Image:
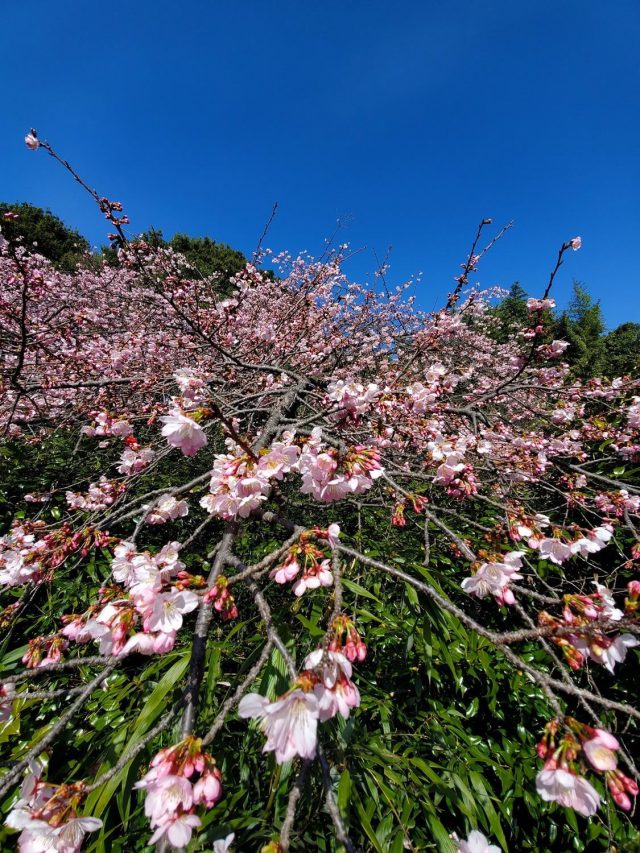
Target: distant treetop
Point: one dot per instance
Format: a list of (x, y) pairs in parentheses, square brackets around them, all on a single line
[(44, 233)]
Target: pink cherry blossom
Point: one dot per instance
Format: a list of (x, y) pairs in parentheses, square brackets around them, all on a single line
[(333, 534), (494, 578), (191, 385), (329, 665), (555, 550), (133, 461), (31, 140), (290, 724), (178, 829), (557, 347), (475, 843), (223, 845), (144, 644), (165, 795), (352, 397), (318, 575), (7, 693), (183, 432), (569, 790), (608, 607), (601, 756), (168, 609), (207, 790), (70, 835), (46, 817), (167, 509), (614, 651), (286, 572), (339, 699)]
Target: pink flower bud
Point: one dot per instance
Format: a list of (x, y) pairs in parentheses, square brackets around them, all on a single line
[(622, 800), (350, 651), (31, 140), (630, 784), (207, 790)]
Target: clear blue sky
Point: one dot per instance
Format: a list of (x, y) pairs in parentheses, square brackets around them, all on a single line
[(410, 121)]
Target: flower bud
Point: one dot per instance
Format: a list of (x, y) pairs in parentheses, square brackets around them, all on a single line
[(31, 140)]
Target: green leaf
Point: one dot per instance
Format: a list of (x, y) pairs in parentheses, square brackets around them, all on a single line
[(99, 799), (359, 590), (344, 792)]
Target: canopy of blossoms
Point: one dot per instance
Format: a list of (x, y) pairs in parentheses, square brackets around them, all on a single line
[(305, 390)]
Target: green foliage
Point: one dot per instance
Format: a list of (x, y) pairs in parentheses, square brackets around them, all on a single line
[(590, 352), (208, 258), (622, 351), (43, 232), (512, 313), (444, 739), (582, 326)]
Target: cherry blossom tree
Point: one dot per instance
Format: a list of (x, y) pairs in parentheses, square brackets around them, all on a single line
[(244, 449)]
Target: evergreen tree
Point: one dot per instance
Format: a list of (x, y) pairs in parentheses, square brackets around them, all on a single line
[(512, 313), (43, 232), (582, 326), (207, 257), (622, 351)]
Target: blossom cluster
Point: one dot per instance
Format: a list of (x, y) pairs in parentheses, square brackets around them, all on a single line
[(306, 557), (454, 472), (439, 379), (321, 691), (20, 551), (29, 555), (192, 385), (157, 594), (633, 413), (181, 778), (47, 816), (578, 632), (134, 458), (418, 504), (581, 749), (558, 549), (223, 601), (329, 475), (167, 508), (616, 504), (241, 482), (352, 398), (105, 423), (99, 495), (493, 578)]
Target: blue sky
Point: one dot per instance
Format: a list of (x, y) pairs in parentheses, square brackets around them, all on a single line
[(408, 121)]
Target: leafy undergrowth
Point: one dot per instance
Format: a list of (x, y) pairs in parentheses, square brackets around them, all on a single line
[(443, 741)]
